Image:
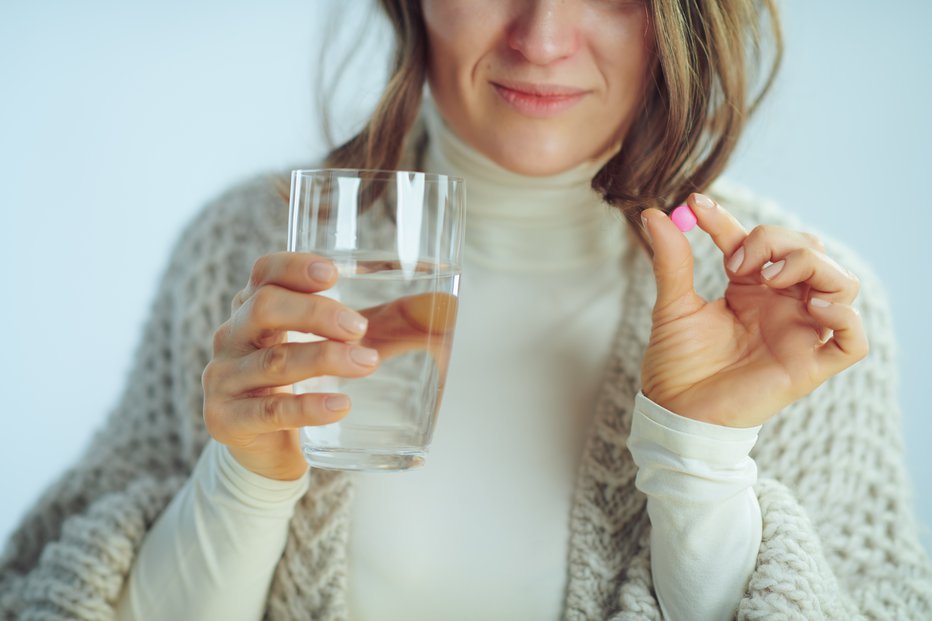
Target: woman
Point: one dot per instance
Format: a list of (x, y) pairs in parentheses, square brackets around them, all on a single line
[(624, 493)]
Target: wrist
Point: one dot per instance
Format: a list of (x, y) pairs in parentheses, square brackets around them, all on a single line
[(690, 438), (275, 468)]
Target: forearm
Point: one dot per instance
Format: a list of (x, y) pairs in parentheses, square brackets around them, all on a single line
[(705, 518), (212, 552)]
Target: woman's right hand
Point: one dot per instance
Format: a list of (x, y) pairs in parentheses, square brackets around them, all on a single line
[(249, 404)]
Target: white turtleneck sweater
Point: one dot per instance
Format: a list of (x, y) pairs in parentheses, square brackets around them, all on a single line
[(481, 531)]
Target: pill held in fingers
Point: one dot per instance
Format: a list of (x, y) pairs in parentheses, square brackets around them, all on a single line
[(684, 218)]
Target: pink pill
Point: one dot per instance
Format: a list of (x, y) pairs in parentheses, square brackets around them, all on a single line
[(684, 218)]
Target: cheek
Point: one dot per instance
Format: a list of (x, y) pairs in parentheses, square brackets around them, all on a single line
[(453, 28), (625, 60), (442, 19), (457, 30)]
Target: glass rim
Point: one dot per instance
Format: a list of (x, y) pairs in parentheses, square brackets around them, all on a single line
[(429, 177)]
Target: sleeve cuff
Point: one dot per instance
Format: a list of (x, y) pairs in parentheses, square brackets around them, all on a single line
[(713, 444), (251, 490)]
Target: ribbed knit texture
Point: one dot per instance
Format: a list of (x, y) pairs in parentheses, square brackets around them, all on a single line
[(839, 536)]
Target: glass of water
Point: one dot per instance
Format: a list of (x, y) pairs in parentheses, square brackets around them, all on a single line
[(396, 239)]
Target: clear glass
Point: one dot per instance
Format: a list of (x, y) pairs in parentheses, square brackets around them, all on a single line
[(396, 239)]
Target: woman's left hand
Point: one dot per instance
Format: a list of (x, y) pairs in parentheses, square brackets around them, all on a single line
[(739, 360)]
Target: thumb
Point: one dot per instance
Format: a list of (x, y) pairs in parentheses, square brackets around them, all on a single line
[(673, 265)]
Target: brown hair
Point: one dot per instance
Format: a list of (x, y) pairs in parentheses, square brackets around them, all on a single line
[(378, 145), (706, 83)]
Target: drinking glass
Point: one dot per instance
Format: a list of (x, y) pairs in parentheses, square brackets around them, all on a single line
[(395, 238)]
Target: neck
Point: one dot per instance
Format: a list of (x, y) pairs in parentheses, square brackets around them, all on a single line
[(520, 223)]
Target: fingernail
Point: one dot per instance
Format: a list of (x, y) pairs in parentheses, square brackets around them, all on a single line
[(364, 356), (337, 403), (735, 262), (773, 269), (704, 201), (819, 302), (646, 231), (321, 271), (353, 322)]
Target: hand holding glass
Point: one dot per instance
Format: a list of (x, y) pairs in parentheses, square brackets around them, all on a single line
[(395, 238)]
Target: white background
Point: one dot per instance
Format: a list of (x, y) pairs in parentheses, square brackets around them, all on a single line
[(119, 120)]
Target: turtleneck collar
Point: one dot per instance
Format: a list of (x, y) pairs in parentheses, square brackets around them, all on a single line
[(520, 223)]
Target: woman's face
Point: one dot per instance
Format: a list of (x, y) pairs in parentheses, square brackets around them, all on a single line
[(539, 86)]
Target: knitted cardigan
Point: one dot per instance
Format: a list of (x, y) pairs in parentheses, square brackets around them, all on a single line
[(839, 537)]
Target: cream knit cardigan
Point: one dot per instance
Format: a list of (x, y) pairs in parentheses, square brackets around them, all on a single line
[(839, 536)]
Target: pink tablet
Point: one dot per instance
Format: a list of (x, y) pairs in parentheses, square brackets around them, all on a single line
[(683, 217)]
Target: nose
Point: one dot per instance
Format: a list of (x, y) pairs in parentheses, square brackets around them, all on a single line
[(545, 31)]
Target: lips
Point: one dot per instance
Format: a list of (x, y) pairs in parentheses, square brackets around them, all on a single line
[(538, 100)]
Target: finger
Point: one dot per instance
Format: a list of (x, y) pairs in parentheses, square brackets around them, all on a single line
[(240, 420), (273, 309), (768, 243), (299, 271), (287, 363), (849, 342), (825, 277), (726, 231), (673, 267)]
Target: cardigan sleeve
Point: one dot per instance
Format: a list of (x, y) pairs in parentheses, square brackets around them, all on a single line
[(215, 547), (70, 553), (839, 535)]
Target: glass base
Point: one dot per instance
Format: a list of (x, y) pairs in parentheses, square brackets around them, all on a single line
[(363, 461)]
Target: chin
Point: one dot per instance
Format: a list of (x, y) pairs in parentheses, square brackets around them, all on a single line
[(534, 158), (536, 168)]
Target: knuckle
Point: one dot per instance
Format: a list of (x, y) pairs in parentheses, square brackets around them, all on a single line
[(320, 355), (260, 271), (855, 287), (265, 338), (808, 254), (860, 350), (238, 300), (308, 406), (328, 357), (274, 360), (220, 337), (214, 421), (762, 231), (271, 411), (855, 282), (815, 240), (317, 313), (334, 355), (861, 347), (319, 310), (262, 306), (209, 376)]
